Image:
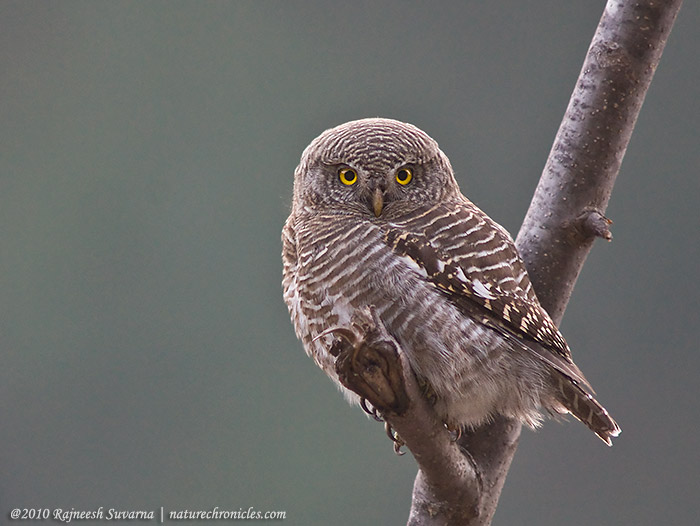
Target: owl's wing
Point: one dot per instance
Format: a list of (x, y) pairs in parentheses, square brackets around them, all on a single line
[(474, 262)]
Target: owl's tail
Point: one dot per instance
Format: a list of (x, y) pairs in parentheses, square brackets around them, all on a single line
[(587, 409)]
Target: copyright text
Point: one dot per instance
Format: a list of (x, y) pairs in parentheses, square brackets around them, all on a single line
[(159, 515)]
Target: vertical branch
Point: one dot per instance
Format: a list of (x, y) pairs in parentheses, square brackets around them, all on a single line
[(567, 210)]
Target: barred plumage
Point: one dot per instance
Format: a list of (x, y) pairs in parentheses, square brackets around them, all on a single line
[(445, 280)]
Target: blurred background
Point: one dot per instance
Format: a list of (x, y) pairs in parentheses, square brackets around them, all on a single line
[(146, 160)]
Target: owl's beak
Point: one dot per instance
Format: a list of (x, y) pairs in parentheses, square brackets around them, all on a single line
[(377, 201)]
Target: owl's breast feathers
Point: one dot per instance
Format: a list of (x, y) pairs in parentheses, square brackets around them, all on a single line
[(474, 263)]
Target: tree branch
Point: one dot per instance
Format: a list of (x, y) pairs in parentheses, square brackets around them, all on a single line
[(567, 210), (460, 483), (570, 200)]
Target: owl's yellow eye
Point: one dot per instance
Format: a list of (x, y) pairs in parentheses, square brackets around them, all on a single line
[(404, 176), (347, 176)]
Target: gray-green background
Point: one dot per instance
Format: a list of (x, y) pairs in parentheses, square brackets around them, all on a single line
[(146, 158)]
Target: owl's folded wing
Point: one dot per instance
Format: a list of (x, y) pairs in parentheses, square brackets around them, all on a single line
[(518, 318)]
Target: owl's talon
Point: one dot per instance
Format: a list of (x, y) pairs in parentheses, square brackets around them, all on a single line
[(455, 432), (370, 411), (344, 332), (395, 438)]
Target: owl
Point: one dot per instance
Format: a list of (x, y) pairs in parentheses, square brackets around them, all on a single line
[(378, 221)]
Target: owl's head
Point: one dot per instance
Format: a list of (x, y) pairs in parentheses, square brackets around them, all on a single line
[(373, 166)]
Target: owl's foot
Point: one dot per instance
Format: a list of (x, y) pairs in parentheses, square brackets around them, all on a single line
[(367, 362)]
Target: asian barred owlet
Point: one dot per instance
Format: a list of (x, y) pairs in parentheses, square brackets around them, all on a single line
[(378, 220)]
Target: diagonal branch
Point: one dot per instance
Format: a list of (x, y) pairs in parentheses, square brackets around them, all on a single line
[(460, 483), (567, 210), (565, 214)]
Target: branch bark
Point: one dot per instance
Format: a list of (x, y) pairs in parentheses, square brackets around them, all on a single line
[(461, 482)]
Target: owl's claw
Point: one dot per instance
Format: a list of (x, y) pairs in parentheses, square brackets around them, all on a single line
[(395, 438), (455, 432), (371, 411), (343, 332)]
